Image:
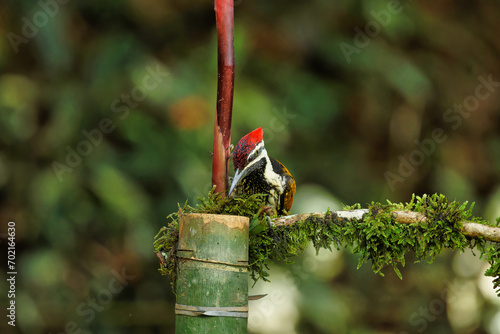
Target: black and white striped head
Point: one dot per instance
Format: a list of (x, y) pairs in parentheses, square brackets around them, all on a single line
[(249, 150)]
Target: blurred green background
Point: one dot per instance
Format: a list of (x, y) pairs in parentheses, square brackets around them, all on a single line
[(106, 124)]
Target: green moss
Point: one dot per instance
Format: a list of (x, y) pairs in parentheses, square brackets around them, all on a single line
[(377, 238), (165, 242)]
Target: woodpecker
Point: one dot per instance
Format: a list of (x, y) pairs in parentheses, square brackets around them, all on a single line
[(257, 173)]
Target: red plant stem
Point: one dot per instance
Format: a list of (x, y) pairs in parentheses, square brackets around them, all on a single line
[(224, 14)]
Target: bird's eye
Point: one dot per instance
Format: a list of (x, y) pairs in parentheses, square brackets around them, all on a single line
[(255, 154)]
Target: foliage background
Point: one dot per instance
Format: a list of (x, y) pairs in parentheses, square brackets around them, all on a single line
[(338, 124)]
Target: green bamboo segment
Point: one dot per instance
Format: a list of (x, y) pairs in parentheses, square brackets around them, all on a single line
[(212, 281)]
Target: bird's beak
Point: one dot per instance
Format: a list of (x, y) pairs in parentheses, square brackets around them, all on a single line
[(236, 179)]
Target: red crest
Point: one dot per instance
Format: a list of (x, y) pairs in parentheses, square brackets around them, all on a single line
[(245, 146)]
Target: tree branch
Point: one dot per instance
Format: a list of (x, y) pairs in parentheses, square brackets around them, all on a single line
[(470, 229), (475, 230), (224, 14)]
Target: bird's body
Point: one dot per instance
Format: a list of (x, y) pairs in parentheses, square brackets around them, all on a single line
[(257, 173)]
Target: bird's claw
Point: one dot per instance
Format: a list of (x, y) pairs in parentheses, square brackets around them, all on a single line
[(268, 210)]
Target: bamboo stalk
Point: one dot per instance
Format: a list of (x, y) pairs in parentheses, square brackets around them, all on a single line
[(212, 277)]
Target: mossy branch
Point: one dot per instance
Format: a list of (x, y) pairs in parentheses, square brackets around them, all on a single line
[(382, 234), (469, 229)]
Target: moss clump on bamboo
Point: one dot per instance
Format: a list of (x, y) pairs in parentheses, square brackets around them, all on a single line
[(165, 242), (378, 238)]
